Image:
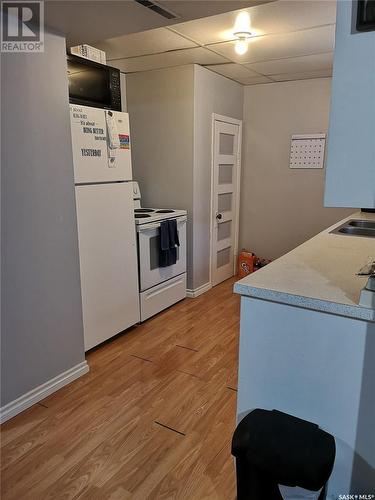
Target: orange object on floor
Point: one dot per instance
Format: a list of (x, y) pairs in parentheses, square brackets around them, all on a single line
[(245, 263)]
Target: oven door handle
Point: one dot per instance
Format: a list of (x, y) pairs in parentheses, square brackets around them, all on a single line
[(156, 225)]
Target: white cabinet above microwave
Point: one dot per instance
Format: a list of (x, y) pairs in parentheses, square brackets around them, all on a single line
[(350, 164)]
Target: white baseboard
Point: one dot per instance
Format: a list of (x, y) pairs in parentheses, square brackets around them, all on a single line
[(193, 293), (42, 391)]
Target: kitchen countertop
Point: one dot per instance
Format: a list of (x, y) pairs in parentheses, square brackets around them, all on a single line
[(320, 274)]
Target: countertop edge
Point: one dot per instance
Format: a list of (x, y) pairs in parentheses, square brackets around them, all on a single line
[(354, 312)]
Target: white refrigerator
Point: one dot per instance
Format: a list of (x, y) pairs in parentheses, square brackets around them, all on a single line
[(105, 216)]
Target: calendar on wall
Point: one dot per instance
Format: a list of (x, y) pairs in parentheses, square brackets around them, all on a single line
[(307, 151)]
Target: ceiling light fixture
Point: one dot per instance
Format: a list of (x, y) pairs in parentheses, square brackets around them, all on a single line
[(241, 47), (242, 31)]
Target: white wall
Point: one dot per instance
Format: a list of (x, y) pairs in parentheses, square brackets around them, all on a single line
[(170, 118), (350, 179), (42, 330), (170, 115), (213, 93), (160, 106), (282, 207)]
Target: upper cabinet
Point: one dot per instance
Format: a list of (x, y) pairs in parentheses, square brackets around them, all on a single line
[(350, 166)]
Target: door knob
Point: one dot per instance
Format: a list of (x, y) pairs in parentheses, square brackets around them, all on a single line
[(219, 216)]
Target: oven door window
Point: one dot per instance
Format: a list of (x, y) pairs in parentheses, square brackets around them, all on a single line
[(148, 245), (154, 252)]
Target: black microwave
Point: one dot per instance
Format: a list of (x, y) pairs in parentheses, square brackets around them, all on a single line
[(93, 84)]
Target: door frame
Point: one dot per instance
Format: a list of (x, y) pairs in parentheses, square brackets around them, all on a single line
[(233, 121)]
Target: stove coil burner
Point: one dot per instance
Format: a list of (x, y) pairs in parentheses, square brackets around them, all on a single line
[(141, 216), (143, 210), (164, 211)]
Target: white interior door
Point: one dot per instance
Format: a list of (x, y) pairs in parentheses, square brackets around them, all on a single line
[(225, 198)]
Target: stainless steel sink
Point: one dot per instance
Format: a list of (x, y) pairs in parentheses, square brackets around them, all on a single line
[(356, 227), (367, 224)]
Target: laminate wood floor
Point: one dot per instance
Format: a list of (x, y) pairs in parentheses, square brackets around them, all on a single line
[(153, 419)]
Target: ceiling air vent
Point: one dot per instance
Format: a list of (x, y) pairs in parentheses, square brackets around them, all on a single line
[(158, 9)]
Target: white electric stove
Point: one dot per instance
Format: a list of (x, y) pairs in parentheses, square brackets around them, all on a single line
[(147, 215), (160, 287)]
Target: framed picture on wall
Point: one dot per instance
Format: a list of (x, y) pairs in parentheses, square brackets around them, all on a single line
[(365, 15)]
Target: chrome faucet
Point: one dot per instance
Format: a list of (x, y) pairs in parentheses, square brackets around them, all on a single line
[(367, 297)]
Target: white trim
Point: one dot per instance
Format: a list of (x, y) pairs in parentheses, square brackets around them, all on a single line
[(238, 194), (42, 391), (193, 293), (226, 119), (233, 121), (213, 118)]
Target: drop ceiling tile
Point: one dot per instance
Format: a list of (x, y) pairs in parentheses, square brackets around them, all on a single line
[(210, 29), (302, 76), (264, 48), (232, 70), (189, 9), (301, 64), (273, 17), (147, 42), (254, 80), (198, 55)]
